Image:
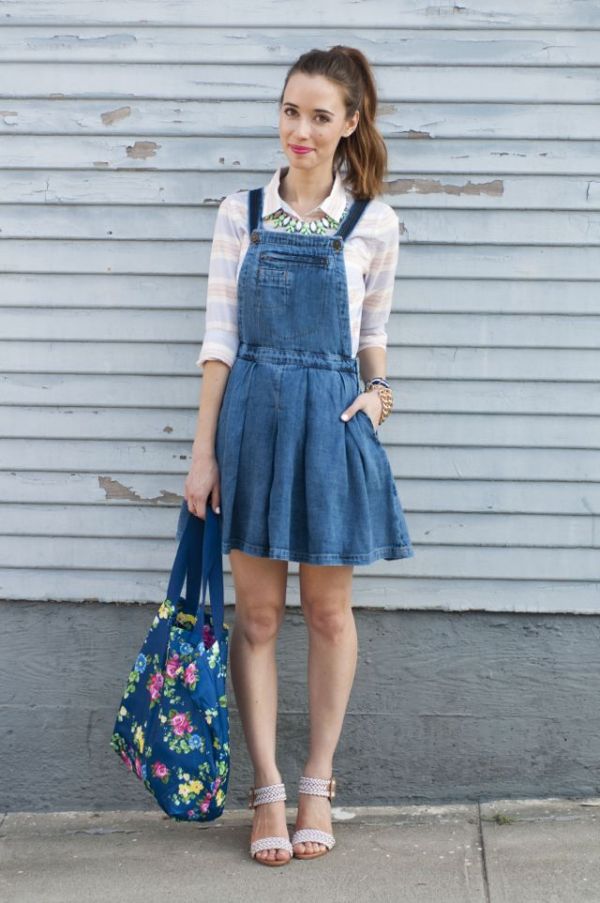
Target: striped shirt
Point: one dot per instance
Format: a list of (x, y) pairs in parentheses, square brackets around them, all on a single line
[(370, 257)]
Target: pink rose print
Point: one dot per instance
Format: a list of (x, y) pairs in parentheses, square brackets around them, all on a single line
[(154, 685), (138, 767), (181, 724), (159, 770), (191, 673), (173, 665), (125, 758)]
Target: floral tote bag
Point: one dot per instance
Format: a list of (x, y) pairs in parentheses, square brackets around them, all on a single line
[(172, 727)]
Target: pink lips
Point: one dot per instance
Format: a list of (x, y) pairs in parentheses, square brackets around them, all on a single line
[(300, 150)]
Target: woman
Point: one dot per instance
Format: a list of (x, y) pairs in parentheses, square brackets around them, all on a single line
[(300, 280)]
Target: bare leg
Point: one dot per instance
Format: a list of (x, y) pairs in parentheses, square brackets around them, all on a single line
[(333, 647), (260, 588)]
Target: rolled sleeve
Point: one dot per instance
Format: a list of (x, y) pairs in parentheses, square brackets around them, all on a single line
[(379, 283), (221, 339)]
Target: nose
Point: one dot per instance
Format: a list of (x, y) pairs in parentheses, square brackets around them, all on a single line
[(302, 131)]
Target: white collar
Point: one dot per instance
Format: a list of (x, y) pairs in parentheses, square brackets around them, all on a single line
[(334, 204)]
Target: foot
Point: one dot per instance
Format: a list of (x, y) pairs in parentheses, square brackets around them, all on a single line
[(269, 821), (313, 812)]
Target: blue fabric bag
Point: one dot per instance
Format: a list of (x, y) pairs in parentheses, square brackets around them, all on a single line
[(172, 727)]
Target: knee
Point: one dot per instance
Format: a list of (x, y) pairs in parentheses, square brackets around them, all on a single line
[(259, 623), (329, 619)]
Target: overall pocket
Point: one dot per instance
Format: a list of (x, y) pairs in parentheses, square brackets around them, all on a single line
[(292, 294)]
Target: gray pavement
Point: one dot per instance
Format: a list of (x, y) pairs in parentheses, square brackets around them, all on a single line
[(503, 851)]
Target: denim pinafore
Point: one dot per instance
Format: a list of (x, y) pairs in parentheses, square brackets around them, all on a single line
[(297, 482)]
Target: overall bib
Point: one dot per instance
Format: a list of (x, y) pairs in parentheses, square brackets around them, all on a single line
[(297, 482)]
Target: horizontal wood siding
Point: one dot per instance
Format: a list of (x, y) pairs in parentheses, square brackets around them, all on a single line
[(122, 127)]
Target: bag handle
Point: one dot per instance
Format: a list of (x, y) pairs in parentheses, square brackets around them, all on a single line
[(199, 562), (212, 573)]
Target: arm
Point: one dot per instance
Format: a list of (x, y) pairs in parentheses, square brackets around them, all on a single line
[(377, 305), (216, 358)]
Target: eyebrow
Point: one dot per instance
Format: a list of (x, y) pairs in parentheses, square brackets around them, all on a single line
[(288, 103)]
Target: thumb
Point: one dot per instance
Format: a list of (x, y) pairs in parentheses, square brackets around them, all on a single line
[(349, 412)]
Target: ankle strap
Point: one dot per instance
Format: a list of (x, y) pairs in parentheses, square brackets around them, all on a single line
[(317, 786), (270, 793)]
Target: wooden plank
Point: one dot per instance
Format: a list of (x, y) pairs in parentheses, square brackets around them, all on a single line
[(385, 46), (270, 13), (440, 395), (145, 492), (433, 561), (170, 223), (427, 528), (424, 294), (406, 363), (409, 155), (396, 590), (98, 424), (419, 329), (197, 189), (191, 257), (154, 117), (259, 83), (441, 461)]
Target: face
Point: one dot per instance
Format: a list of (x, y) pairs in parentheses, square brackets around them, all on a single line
[(312, 116)]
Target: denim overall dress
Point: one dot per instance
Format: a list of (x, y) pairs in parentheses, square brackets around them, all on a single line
[(297, 482)]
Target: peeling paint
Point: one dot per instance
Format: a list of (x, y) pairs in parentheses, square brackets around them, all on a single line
[(142, 149), (113, 489), (495, 188), (5, 113), (412, 133), (70, 40), (117, 115)]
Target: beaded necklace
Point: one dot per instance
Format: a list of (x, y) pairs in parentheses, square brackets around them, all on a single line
[(290, 223)]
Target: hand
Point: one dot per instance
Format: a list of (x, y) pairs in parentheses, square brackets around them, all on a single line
[(371, 404), (202, 481)]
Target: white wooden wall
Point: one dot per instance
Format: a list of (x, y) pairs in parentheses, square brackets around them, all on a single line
[(124, 124)]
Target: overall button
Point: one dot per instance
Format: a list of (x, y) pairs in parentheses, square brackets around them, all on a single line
[(337, 243), (254, 236)]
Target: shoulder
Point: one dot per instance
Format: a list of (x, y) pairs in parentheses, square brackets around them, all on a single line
[(235, 202), (232, 214), (379, 229), (381, 219)]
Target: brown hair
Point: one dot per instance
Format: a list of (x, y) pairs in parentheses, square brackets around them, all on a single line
[(363, 152)]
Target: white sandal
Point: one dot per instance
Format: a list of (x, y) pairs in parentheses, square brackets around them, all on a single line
[(270, 793), (316, 787)]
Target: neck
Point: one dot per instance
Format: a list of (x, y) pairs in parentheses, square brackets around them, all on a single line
[(305, 190)]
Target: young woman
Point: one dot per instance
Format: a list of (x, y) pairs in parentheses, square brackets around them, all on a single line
[(300, 288)]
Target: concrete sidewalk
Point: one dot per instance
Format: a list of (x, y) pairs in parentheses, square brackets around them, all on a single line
[(514, 851)]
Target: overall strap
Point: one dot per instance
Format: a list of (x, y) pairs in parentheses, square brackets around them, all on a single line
[(254, 207), (354, 214)]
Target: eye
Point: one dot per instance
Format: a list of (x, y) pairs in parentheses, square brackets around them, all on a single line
[(320, 115)]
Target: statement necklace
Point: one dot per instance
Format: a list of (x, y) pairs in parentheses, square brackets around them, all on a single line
[(290, 223)]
